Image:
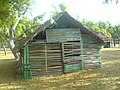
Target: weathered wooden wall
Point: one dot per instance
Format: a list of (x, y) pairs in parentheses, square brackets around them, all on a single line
[(53, 58), (91, 52), (49, 58), (45, 58), (72, 56)]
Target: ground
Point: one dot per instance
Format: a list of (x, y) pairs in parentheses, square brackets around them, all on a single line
[(105, 78)]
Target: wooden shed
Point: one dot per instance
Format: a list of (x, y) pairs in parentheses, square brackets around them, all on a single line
[(108, 41), (116, 42), (61, 46)]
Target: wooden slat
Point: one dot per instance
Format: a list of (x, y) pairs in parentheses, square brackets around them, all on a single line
[(38, 56)]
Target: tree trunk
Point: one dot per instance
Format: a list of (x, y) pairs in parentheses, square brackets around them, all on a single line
[(11, 43), (13, 49), (4, 48)]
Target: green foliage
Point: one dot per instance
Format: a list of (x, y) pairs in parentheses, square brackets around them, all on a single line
[(116, 31), (10, 11), (25, 23), (105, 27)]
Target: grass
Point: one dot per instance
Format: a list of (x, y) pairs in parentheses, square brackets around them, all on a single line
[(105, 78)]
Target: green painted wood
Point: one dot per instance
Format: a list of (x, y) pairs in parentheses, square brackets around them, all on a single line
[(24, 62), (26, 65), (77, 66), (25, 55), (62, 35), (69, 67), (27, 59), (43, 43)]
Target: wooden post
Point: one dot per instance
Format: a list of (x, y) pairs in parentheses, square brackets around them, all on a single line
[(82, 54), (27, 54), (26, 66), (99, 57), (46, 66), (62, 47), (24, 62), (81, 47), (29, 73)]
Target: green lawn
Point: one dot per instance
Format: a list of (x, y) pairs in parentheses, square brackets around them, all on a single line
[(105, 78)]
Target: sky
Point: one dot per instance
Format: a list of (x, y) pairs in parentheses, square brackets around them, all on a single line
[(92, 10)]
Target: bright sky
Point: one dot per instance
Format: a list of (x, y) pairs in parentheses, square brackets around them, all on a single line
[(93, 10)]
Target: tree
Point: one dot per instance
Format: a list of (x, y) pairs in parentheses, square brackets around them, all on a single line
[(20, 7), (5, 12), (116, 32), (26, 27), (97, 27), (3, 39), (105, 27), (12, 12)]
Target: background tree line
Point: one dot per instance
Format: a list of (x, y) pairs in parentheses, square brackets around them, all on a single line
[(105, 27)]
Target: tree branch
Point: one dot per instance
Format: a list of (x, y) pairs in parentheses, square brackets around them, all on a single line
[(26, 31)]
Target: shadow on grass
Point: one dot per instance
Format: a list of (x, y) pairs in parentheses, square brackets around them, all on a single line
[(105, 78), (9, 78)]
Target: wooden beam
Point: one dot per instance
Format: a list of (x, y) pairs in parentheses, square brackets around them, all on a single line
[(40, 29)]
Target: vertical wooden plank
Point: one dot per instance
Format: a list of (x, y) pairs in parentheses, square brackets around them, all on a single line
[(72, 56), (81, 51), (46, 66), (46, 35), (27, 67), (29, 72), (62, 47), (81, 43), (24, 62), (99, 57), (27, 57)]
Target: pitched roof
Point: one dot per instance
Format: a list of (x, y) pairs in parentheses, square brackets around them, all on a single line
[(103, 36), (63, 20), (64, 17)]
